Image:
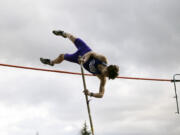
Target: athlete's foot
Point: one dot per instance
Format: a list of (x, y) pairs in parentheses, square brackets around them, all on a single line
[(59, 33), (46, 61)]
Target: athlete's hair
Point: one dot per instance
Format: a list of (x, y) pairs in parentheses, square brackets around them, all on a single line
[(112, 71)]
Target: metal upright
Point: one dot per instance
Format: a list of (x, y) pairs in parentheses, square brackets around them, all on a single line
[(175, 89)]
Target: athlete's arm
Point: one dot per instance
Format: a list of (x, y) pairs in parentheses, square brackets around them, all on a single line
[(101, 89)]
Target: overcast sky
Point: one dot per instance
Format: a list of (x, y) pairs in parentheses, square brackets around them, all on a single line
[(141, 36)]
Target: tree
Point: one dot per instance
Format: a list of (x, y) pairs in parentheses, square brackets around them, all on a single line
[(85, 131)]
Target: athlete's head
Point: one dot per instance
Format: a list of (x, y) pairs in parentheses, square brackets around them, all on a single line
[(112, 71)]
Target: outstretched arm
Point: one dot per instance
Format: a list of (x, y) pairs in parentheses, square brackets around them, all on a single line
[(101, 89)]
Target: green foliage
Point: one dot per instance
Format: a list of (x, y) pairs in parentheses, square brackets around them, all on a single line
[(85, 131)]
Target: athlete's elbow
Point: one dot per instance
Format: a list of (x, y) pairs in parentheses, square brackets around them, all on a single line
[(101, 95)]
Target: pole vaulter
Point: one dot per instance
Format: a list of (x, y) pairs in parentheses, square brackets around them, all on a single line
[(94, 63)]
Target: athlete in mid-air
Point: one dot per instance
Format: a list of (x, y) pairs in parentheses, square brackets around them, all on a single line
[(94, 63)]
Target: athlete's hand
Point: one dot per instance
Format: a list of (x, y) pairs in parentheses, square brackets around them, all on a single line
[(86, 92)]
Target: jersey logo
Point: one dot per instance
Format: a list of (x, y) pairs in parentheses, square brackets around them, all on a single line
[(91, 66)]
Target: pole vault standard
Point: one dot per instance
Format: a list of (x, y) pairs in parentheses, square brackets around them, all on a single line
[(132, 78), (87, 100), (175, 89)]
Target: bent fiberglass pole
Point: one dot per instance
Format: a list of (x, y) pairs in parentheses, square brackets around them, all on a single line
[(87, 100)]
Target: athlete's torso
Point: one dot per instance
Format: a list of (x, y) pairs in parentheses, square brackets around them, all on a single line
[(91, 65)]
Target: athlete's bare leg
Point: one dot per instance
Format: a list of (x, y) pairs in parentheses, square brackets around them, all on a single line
[(71, 37), (65, 35), (60, 58)]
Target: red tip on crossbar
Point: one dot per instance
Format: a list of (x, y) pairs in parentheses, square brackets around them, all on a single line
[(74, 73)]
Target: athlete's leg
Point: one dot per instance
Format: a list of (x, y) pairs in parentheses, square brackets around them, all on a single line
[(70, 37), (58, 60), (65, 35), (80, 44), (82, 47)]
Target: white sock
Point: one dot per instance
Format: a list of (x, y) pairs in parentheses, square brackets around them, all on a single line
[(68, 35)]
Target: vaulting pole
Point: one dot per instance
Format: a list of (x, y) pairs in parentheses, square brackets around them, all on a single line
[(87, 100)]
